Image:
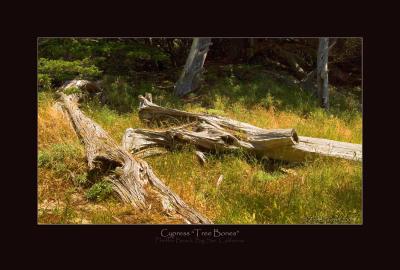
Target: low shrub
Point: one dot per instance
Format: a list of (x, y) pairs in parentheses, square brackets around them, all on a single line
[(99, 191), (52, 73), (61, 159)]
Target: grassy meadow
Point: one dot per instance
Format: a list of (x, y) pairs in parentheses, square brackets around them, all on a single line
[(324, 191)]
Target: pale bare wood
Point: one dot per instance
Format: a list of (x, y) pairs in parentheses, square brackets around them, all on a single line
[(206, 137), (150, 152), (191, 76), (85, 85), (201, 156), (219, 181), (211, 132), (330, 148), (133, 180), (322, 72)]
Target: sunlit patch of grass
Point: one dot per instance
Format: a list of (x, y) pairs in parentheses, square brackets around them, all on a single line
[(113, 122), (53, 126)]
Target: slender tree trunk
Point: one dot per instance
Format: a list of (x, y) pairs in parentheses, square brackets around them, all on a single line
[(190, 79), (322, 72), (309, 81)]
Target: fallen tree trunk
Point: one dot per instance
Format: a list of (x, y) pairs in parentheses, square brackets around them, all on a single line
[(150, 112), (309, 148), (207, 137), (318, 146), (131, 178), (216, 133)]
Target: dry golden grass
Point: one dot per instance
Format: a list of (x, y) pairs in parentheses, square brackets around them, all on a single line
[(53, 126)]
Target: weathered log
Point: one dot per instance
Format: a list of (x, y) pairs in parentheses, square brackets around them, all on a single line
[(149, 152), (326, 147), (83, 85), (150, 112), (87, 89), (208, 137), (133, 179), (216, 133)]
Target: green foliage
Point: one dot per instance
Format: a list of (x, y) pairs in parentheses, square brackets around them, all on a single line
[(81, 180), (72, 90), (112, 56), (103, 217), (262, 176), (68, 213), (270, 102), (120, 94), (56, 72), (44, 81), (61, 159), (129, 57), (99, 191), (57, 153), (45, 97), (66, 48)]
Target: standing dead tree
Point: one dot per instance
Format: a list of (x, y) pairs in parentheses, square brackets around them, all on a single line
[(216, 133), (309, 82), (322, 72), (190, 78), (132, 178)]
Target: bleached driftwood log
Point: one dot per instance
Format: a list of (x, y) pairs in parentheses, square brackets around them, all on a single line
[(132, 178), (207, 137), (209, 132), (309, 148)]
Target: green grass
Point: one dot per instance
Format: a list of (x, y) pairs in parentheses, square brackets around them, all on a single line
[(99, 191), (252, 191)]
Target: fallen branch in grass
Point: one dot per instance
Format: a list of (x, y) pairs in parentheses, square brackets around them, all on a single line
[(206, 137), (216, 133), (202, 157), (131, 178), (219, 181)]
